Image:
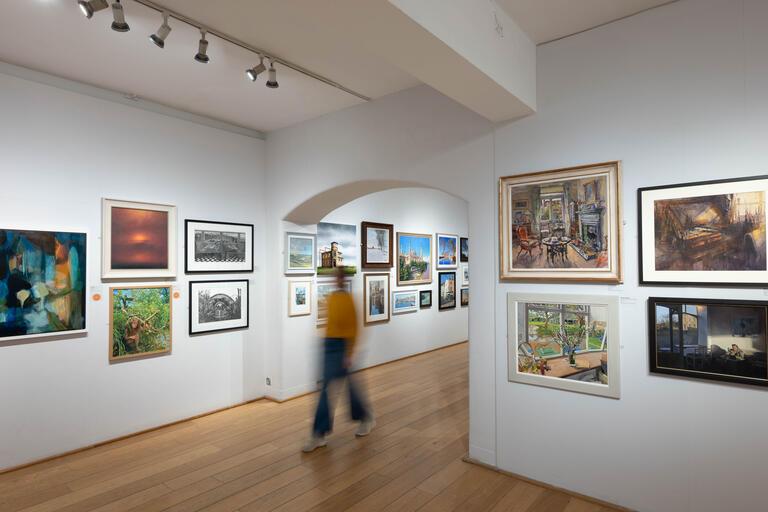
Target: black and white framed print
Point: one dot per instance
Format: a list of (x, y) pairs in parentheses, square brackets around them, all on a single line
[(217, 247), (216, 306)]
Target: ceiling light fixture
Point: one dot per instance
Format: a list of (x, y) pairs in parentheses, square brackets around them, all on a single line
[(202, 49), (272, 82), (159, 37), (88, 7), (254, 72), (118, 17)]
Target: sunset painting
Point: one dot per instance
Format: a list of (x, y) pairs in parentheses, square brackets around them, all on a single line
[(139, 238)]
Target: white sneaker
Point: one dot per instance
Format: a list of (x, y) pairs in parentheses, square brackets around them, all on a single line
[(313, 443), (365, 427)]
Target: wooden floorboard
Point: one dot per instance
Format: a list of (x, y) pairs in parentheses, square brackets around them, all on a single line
[(248, 459)]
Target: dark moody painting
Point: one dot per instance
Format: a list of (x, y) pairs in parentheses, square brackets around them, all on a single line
[(139, 238)]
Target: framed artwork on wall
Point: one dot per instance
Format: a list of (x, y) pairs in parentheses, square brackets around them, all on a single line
[(414, 258), (446, 298), (567, 342), (562, 225), (464, 268), (377, 245), (709, 233), (375, 298), (405, 301), (140, 322), (447, 250), (722, 340), (217, 247), (337, 246), (42, 283), (464, 249), (465, 296), (325, 288), (299, 298), (425, 299), (216, 306), (138, 240), (299, 253)]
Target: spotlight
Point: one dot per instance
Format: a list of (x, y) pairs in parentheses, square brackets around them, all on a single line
[(159, 37), (272, 82), (202, 49), (88, 7), (119, 24), (255, 71)]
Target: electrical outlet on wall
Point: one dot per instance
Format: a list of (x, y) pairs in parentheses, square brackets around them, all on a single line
[(269, 381)]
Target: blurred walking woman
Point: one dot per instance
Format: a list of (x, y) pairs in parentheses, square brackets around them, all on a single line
[(338, 349)]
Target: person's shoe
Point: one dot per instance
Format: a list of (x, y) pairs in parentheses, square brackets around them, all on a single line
[(313, 443), (365, 427)]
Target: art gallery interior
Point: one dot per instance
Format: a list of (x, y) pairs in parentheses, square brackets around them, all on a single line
[(604, 163)]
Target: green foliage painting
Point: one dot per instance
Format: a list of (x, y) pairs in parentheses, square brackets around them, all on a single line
[(141, 321)]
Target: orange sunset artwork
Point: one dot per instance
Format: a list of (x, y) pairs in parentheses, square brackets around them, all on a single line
[(139, 238)]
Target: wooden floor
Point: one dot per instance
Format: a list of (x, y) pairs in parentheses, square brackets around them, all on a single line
[(248, 458)]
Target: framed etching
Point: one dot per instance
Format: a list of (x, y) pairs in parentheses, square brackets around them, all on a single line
[(567, 342), (138, 240), (216, 306), (299, 298), (562, 225), (447, 251), (337, 246), (414, 258), (42, 283), (709, 233), (377, 245), (325, 288), (299, 253), (425, 299), (405, 301), (375, 298), (446, 298), (217, 247), (722, 340), (140, 322)]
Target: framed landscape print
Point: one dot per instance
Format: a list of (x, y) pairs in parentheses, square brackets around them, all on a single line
[(465, 296), (216, 306), (464, 249), (377, 245), (299, 253), (464, 269), (405, 301), (140, 321), (723, 340), (414, 258), (42, 283), (447, 250), (337, 246), (375, 298), (217, 247), (425, 299), (325, 288), (138, 240), (567, 342), (562, 225), (299, 298), (446, 298), (710, 233)]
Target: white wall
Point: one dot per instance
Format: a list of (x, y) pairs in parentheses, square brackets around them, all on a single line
[(678, 94), (61, 153)]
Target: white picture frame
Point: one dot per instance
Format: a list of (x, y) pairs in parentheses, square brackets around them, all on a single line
[(405, 301), (446, 251), (464, 274), (295, 260), (376, 305), (299, 297)]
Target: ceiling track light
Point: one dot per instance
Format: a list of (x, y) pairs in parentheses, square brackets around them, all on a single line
[(159, 37), (254, 72), (88, 7), (118, 16), (272, 82), (202, 49)]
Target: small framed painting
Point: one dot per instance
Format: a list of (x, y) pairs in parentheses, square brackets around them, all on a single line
[(465, 274), (464, 249), (405, 301), (299, 253), (138, 240), (376, 298), (299, 298), (567, 342), (325, 288), (425, 299), (218, 247), (447, 250), (446, 298), (722, 340), (140, 322), (465, 296), (708, 233), (377, 245), (414, 258), (216, 306)]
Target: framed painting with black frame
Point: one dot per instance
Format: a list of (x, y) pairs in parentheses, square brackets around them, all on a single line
[(217, 247), (446, 295), (377, 244), (217, 306), (425, 299)]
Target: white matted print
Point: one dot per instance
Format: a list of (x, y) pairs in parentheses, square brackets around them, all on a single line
[(217, 247), (465, 274), (376, 297), (299, 298), (299, 253), (447, 250), (218, 306), (405, 301)]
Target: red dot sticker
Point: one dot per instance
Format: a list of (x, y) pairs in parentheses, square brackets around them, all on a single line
[(96, 297), (176, 295)]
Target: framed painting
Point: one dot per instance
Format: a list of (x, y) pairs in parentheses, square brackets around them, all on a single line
[(42, 283), (567, 342), (140, 322), (709, 233), (721, 340), (464, 249), (375, 298), (337, 246), (299, 298), (464, 268), (216, 306), (377, 245), (447, 250), (299, 253), (217, 247), (138, 240), (405, 301), (325, 288), (446, 298), (425, 299), (562, 225), (414, 258), (465, 296)]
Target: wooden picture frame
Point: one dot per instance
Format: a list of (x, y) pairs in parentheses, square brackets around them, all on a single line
[(368, 251), (214, 247), (230, 297), (297, 261), (378, 309), (413, 266), (153, 321)]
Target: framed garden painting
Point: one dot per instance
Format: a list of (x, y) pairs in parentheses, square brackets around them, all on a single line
[(425, 299), (567, 342), (414, 258), (405, 301), (299, 253), (42, 283), (446, 298), (140, 322), (299, 297), (337, 246), (138, 240), (377, 241), (447, 251), (709, 233), (562, 225), (216, 306), (722, 340), (217, 247), (375, 298)]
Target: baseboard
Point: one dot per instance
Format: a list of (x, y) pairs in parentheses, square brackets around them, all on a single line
[(482, 455)]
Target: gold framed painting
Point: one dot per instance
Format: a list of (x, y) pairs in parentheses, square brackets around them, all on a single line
[(562, 225), (140, 321)]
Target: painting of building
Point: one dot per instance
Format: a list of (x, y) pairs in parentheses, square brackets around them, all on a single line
[(414, 258), (337, 247)]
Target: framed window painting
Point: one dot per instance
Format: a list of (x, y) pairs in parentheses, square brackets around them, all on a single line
[(447, 251), (405, 301), (299, 253), (375, 298), (414, 258), (446, 298), (377, 241), (299, 297), (217, 247)]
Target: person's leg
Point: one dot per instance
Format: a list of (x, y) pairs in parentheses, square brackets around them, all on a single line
[(333, 358), (359, 409), (322, 423)]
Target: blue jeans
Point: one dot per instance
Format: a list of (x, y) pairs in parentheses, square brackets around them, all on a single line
[(333, 370)]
